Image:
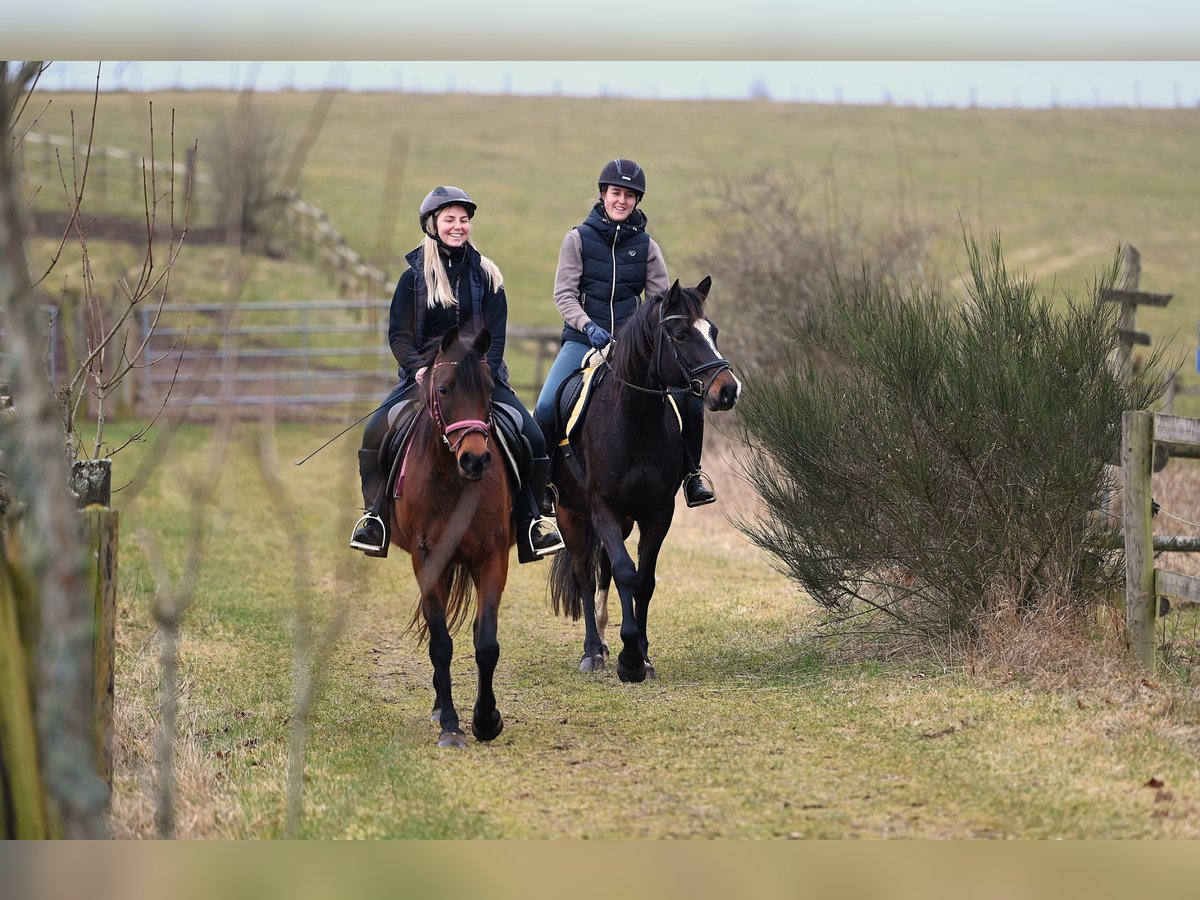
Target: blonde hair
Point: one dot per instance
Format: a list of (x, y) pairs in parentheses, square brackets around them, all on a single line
[(440, 291)]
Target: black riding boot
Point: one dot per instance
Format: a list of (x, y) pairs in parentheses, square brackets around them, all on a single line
[(370, 532), (696, 488), (537, 536), (549, 494)]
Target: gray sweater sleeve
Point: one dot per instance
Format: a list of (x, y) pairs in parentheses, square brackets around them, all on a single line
[(657, 279), (566, 281)]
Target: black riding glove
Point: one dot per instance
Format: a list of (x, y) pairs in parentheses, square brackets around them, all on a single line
[(597, 335)]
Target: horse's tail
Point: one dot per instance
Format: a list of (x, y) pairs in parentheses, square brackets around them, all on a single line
[(458, 604), (564, 597)]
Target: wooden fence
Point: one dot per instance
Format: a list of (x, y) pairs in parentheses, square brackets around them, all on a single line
[(1148, 440), (294, 356)]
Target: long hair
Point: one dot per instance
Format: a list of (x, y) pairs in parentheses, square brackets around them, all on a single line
[(441, 293)]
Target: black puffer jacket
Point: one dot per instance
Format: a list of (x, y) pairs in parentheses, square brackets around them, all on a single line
[(414, 326)]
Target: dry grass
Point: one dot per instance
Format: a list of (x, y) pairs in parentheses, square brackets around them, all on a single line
[(205, 807)]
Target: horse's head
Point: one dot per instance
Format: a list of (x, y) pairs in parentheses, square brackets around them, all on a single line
[(690, 338), (458, 391)]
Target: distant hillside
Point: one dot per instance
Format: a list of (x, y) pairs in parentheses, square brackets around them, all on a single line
[(1063, 186)]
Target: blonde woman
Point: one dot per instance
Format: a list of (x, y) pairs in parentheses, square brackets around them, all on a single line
[(450, 284)]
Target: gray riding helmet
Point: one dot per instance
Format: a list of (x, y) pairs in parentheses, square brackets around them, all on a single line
[(442, 196)]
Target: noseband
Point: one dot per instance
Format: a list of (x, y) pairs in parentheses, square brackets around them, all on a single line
[(463, 427)]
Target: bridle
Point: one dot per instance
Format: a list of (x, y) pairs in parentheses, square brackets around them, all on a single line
[(463, 427), (696, 386)]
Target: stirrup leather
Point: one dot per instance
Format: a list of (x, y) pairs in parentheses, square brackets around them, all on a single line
[(361, 545)]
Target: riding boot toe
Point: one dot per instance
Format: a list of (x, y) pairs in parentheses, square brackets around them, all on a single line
[(696, 492), (369, 535), (545, 537)]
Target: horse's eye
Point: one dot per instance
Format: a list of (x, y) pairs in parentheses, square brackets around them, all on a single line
[(443, 390), (682, 335)]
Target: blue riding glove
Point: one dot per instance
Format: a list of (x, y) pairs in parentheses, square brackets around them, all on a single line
[(597, 335)]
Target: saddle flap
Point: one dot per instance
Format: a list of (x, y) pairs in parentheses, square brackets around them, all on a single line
[(513, 444), (575, 393)]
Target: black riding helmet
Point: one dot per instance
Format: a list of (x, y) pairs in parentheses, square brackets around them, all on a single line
[(441, 197), (623, 173)]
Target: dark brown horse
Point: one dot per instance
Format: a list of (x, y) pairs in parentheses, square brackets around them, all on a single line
[(630, 444), (454, 516)]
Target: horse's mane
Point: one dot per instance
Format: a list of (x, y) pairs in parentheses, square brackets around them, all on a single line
[(633, 348)]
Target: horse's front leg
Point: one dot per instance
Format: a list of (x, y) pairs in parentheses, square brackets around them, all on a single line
[(489, 585), (631, 664), (441, 650), (650, 540)]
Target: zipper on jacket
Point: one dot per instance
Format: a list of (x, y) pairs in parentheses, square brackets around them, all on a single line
[(612, 291)]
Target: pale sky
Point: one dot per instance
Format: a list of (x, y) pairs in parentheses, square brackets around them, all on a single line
[(1038, 83), (557, 30)]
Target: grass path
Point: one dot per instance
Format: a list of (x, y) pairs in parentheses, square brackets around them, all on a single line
[(747, 732)]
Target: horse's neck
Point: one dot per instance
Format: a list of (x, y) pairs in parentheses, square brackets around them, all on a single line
[(644, 407)]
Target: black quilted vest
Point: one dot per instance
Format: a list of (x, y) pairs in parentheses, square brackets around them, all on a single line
[(614, 269)]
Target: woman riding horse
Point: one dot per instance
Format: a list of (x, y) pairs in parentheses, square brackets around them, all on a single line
[(449, 284), (604, 266)]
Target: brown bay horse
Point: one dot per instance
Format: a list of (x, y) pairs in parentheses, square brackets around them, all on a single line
[(454, 517)]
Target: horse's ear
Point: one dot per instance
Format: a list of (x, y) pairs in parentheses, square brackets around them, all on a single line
[(673, 293), (483, 340), (703, 287), (449, 338)]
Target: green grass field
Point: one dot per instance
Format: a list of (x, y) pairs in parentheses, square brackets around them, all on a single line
[(751, 730)]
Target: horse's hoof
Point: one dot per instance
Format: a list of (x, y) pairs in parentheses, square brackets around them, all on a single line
[(650, 673), (631, 674), (489, 731), (455, 739), (592, 663)]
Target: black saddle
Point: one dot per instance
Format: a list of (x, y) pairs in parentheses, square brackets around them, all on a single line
[(513, 446)]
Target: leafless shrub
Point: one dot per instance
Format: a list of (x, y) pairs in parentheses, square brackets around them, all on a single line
[(246, 151), (775, 257)]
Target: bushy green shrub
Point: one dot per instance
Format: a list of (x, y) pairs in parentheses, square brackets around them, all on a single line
[(952, 455)]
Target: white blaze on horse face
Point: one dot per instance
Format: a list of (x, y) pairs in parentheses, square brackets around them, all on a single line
[(705, 328)]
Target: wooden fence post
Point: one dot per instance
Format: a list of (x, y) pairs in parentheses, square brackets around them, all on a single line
[(91, 480), (1141, 607)]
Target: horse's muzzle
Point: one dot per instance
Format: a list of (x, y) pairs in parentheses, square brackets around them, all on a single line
[(723, 393), (473, 466)]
